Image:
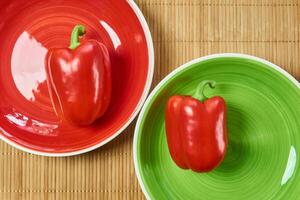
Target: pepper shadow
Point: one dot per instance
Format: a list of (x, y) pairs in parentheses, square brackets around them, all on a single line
[(119, 59), (237, 152)]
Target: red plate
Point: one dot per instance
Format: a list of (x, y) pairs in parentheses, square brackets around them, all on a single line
[(27, 29)]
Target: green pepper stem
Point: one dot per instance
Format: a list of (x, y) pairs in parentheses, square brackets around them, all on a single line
[(199, 94), (78, 30)]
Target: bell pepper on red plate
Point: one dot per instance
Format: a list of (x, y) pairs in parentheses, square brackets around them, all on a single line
[(79, 79), (196, 130)]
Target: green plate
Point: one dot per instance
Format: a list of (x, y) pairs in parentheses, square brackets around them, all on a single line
[(264, 133)]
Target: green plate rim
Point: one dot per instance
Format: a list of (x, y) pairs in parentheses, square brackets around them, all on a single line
[(173, 74)]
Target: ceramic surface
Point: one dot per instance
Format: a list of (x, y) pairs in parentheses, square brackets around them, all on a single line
[(263, 130), (28, 28)]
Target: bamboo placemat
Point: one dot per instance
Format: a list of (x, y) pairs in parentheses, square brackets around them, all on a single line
[(182, 30)]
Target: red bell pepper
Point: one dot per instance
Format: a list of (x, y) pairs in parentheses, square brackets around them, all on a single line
[(196, 130), (79, 79)]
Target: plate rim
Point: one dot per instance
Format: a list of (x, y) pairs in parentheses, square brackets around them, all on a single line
[(179, 69), (138, 107)]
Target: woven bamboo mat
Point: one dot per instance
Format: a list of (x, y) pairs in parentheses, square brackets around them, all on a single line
[(182, 30)]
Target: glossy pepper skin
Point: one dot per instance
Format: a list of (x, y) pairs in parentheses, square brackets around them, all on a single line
[(196, 130), (79, 79)]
